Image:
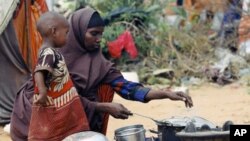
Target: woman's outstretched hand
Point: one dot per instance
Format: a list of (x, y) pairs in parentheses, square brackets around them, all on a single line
[(181, 96), (164, 94)]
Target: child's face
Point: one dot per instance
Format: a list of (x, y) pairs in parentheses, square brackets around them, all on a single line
[(60, 36)]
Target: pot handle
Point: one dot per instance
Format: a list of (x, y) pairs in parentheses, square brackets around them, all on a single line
[(153, 131)]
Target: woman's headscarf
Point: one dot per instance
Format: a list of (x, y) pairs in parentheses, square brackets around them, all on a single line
[(88, 69)]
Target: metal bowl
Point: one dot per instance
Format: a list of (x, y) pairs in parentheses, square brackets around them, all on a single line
[(86, 136)]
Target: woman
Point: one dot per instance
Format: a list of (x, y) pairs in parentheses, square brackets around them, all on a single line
[(89, 71), (84, 46)]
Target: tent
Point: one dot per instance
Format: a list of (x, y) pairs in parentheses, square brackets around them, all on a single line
[(19, 43)]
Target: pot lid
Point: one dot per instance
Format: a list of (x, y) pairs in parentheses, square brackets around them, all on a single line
[(183, 121)]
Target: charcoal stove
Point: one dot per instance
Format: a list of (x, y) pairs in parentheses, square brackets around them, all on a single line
[(192, 129)]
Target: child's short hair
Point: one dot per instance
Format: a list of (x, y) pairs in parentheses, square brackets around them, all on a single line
[(47, 21)]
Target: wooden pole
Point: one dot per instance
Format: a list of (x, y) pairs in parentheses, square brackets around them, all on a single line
[(27, 34)]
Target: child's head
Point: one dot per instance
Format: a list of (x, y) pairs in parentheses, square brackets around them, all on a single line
[(53, 27)]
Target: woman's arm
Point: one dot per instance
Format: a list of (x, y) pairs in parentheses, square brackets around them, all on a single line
[(136, 91), (164, 94), (114, 109), (129, 90)]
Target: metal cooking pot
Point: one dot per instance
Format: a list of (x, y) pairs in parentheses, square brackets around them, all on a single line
[(169, 127), (86, 136), (176, 127), (166, 132), (166, 128), (130, 133)]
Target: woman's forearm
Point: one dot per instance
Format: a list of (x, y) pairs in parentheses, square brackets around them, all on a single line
[(102, 107), (157, 94)]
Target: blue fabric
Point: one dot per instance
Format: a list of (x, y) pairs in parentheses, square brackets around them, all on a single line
[(232, 14), (130, 90), (230, 23)]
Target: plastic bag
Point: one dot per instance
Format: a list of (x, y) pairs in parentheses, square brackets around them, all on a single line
[(124, 41)]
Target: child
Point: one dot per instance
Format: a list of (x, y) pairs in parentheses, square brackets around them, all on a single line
[(57, 110)]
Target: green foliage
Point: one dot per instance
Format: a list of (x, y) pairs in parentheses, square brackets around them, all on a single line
[(129, 15), (110, 33), (180, 11), (160, 45), (105, 6), (113, 31)]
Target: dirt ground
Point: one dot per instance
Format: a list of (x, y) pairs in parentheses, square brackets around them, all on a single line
[(214, 103)]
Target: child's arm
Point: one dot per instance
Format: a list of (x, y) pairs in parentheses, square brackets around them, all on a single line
[(42, 89)]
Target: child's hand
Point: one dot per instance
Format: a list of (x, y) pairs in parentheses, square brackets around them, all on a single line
[(41, 98)]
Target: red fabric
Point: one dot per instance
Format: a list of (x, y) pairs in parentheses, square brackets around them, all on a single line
[(64, 113), (115, 48), (29, 39), (124, 41), (105, 94), (54, 94), (49, 123)]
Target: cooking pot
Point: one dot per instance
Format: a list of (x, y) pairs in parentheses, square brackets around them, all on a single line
[(176, 123), (130, 133), (167, 131), (86, 136), (168, 128)]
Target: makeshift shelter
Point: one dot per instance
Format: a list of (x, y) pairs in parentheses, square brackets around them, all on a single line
[(19, 42)]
